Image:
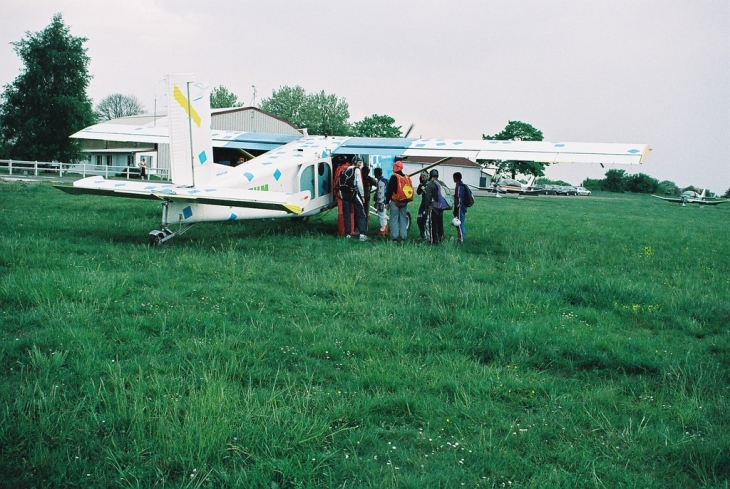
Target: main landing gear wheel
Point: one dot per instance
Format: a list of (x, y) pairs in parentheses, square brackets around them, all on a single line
[(156, 238)]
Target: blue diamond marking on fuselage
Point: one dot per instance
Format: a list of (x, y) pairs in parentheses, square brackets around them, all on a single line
[(265, 162), (559, 145), (277, 174), (233, 217), (248, 175), (634, 151), (202, 157), (324, 155), (187, 212)]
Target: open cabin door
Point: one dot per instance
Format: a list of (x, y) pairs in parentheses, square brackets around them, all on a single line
[(316, 178)]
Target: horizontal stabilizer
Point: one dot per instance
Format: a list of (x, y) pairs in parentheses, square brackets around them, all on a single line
[(253, 199)]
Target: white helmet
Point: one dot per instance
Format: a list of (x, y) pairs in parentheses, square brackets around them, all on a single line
[(456, 222)]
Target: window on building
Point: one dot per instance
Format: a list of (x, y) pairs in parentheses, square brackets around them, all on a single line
[(109, 160), (99, 160)]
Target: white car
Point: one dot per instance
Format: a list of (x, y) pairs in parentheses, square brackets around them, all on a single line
[(582, 191)]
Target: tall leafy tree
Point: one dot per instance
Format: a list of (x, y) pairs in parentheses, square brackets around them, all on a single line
[(221, 98), (319, 113), (519, 131), (615, 181), (377, 126), (47, 102), (117, 105), (641, 184)]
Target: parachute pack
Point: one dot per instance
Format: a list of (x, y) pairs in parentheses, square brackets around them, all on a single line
[(346, 180), (404, 191), (468, 199), (443, 200)]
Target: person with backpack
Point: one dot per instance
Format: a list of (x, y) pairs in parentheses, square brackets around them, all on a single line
[(343, 165), (463, 199), (382, 187), (423, 208), (351, 195), (398, 195), (436, 205)]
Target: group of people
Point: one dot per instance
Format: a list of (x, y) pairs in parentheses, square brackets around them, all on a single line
[(393, 196)]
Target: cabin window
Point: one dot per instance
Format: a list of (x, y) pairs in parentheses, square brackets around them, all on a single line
[(306, 181)]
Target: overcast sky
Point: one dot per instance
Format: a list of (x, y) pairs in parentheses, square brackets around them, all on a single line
[(624, 71)]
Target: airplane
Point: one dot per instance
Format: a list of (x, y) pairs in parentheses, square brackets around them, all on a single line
[(294, 177), (692, 197)]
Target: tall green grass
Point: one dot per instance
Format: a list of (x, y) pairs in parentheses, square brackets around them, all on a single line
[(570, 342)]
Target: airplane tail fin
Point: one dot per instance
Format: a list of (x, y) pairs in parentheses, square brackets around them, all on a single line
[(702, 195), (191, 149)]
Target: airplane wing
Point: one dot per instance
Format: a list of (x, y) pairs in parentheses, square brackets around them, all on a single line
[(669, 199), (542, 151), (292, 203)]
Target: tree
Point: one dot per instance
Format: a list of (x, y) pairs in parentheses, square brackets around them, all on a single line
[(319, 113), (221, 98), (667, 187), (47, 102), (519, 131), (726, 194), (592, 184), (614, 181), (117, 105), (377, 126), (641, 184)]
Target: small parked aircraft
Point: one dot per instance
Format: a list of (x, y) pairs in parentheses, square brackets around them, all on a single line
[(294, 179), (692, 197)]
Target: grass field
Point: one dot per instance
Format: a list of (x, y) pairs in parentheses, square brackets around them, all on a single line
[(571, 342)]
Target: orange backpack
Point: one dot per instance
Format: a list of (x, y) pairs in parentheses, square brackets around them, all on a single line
[(404, 191)]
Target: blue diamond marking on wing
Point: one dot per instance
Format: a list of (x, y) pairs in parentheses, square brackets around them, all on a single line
[(506, 142), (248, 175), (194, 191), (119, 184), (440, 144), (420, 145), (277, 174), (324, 155), (265, 162), (634, 151), (187, 212), (233, 217), (493, 142), (151, 187), (559, 145), (210, 190), (202, 157), (458, 142), (298, 156)]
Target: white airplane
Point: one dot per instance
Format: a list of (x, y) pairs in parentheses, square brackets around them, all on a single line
[(692, 197), (295, 178)]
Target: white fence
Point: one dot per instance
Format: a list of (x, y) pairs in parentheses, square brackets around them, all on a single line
[(41, 168)]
